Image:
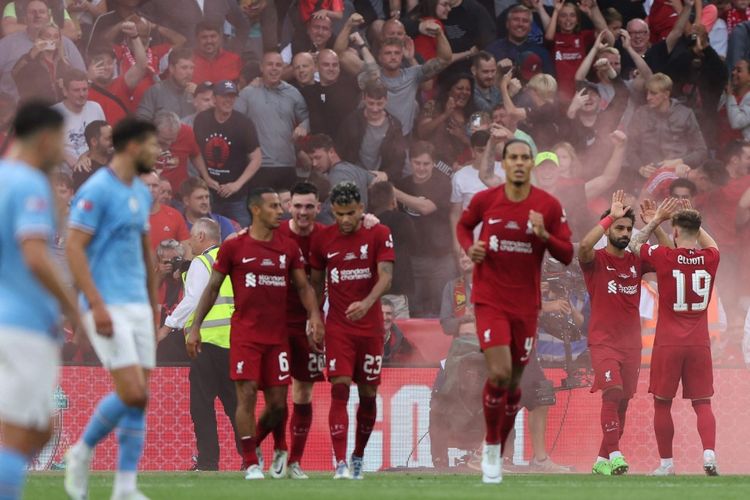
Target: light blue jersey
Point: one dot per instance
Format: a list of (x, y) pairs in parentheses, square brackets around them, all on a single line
[(25, 211), (116, 215)]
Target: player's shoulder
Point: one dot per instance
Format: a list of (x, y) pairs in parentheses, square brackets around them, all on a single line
[(18, 177), (489, 195), (543, 199)]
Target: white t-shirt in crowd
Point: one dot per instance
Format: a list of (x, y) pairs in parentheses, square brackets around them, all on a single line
[(75, 125), (466, 183)]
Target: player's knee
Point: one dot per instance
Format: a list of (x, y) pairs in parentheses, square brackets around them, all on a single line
[(698, 402), (302, 393), (499, 374), (42, 437), (340, 392), (614, 395), (135, 396)]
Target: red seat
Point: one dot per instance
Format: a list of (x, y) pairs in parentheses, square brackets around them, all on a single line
[(426, 336)]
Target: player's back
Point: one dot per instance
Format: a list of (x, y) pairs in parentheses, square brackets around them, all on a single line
[(116, 215), (685, 279), (26, 208)]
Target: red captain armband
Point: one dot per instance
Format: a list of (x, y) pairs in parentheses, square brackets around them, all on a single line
[(606, 222)]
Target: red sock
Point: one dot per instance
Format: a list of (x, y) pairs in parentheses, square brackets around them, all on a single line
[(249, 456), (663, 426), (299, 425), (366, 416), (279, 432), (610, 422), (493, 399), (512, 407), (338, 420), (706, 423), (622, 409)]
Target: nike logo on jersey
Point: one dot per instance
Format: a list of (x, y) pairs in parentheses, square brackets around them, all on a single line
[(331, 255), (370, 378), (246, 260), (493, 221), (610, 268), (283, 377)]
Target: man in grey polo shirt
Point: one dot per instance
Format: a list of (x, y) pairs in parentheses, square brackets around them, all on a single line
[(173, 94), (280, 113), (13, 47)]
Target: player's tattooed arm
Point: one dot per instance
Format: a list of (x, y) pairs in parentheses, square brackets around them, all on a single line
[(663, 212), (358, 309), (648, 212), (308, 299), (206, 302)]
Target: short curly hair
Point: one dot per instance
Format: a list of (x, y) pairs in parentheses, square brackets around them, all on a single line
[(344, 193)]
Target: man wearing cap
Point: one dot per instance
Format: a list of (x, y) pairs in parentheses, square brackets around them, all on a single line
[(517, 43), (117, 96), (230, 147)]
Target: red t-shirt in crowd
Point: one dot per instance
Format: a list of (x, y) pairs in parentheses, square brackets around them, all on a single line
[(685, 278), (113, 111), (172, 165), (296, 314), (661, 18), (226, 66), (125, 61), (308, 7), (166, 224), (260, 273), (509, 277), (426, 46), (351, 264), (614, 285), (657, 186), (568, 50)]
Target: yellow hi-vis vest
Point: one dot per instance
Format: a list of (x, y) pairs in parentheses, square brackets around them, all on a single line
[(216, 325)]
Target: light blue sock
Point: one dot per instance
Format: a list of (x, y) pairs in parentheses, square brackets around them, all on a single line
[(12, 474), (105, 418), (131, 434)]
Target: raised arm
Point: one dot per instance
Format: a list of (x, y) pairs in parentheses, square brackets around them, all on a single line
[(137, 71), (663, 213), (705, 240), (588, 61), (640, 63), (617, 210), (498, 135), (679, 26), (601, 183), (648, 212), (443, 57), (550, 28), (510, 107)]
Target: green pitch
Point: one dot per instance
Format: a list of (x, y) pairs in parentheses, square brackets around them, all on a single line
[(205, 485)]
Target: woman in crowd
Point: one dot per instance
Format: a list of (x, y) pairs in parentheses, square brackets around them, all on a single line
[(37, 73)]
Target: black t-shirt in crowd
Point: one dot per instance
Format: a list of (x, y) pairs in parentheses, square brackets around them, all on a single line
[(226, 146), (329, 105), (81, 176), (433, 230), (404, 241)]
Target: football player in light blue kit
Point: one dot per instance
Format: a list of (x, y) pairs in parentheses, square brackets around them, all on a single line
[(31, 293), (109, 253)]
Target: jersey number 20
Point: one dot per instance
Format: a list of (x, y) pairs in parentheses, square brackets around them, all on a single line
[(701, 281)]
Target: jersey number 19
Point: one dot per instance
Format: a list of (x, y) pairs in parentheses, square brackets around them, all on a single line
[(701, 281)]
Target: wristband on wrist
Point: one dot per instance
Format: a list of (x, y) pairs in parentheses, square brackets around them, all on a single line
[(606, 222)]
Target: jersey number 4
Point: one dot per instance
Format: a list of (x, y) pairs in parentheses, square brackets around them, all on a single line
[(701, 281)]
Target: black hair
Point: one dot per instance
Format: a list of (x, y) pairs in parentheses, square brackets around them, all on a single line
[(381, 195), (479, 139), (319, 141), (93, 130), (255, 196), (447, 83), (344, 193), (628, 215), (304, 187), (684, 183), (207, 26), (516, 141), (176, 55), (35, 116), (131, 129)]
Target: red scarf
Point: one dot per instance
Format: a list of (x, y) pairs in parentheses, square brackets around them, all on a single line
[(735, 16)]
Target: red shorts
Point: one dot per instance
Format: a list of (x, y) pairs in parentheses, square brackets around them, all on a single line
[(498, 328), (306, 365), (691, 364), (615, 367), (360, 358), (266, 364)]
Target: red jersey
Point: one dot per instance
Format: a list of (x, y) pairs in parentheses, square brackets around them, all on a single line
[(614, 285), (166, 224), (226, 66), (685, 278), (509, 277), (568, 51), (661, 19), (260, 273), (719, 207), (114, 111), (351, 264), (296, 314), (172, 164)]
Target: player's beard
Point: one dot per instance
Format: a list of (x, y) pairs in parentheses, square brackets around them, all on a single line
[(620, 243)]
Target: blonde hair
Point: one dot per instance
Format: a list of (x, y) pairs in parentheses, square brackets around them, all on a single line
[(659, 82), (544, 85)]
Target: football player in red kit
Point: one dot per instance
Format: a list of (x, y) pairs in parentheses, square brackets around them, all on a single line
[(613, 279), (682, 350), (261, 265), (519, 223), (357, 265)]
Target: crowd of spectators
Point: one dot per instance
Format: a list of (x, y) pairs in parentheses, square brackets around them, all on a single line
[(411, 100)]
